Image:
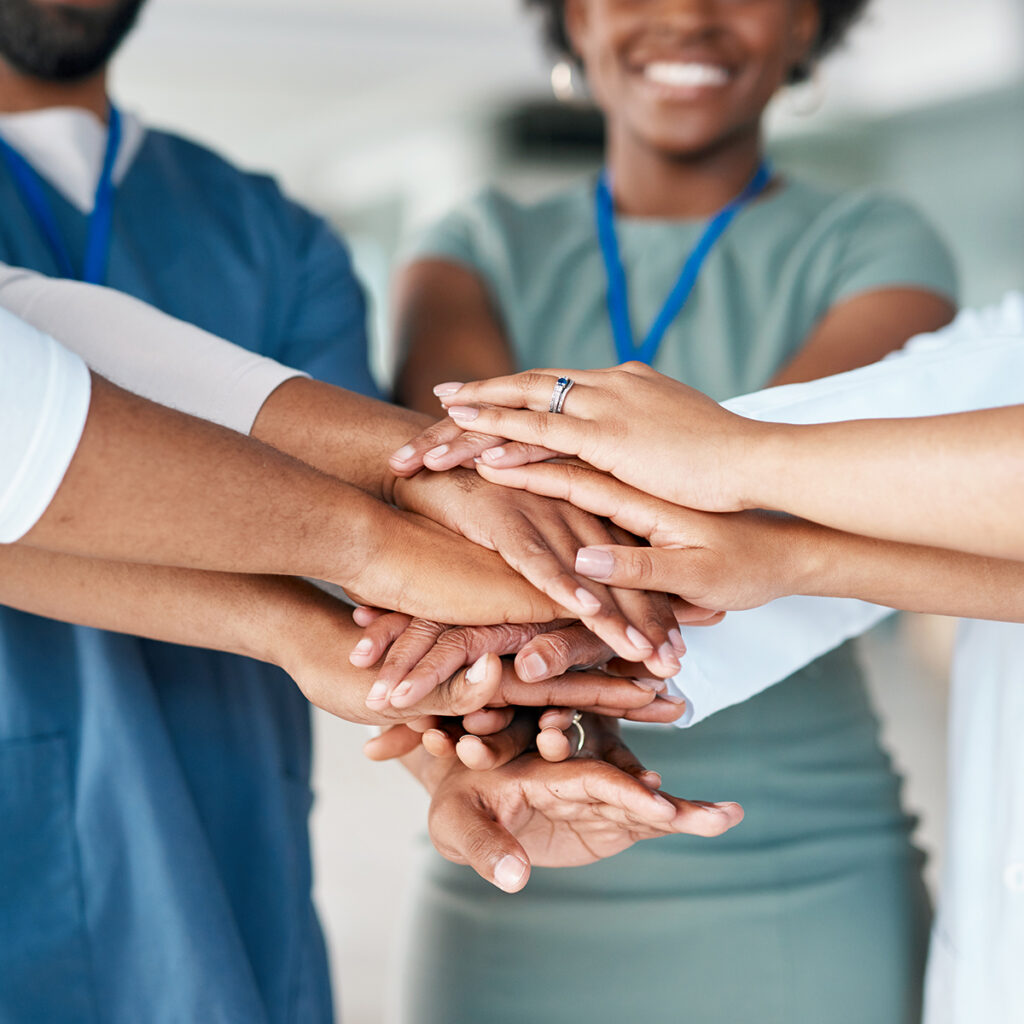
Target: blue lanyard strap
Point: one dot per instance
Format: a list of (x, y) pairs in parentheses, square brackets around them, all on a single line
[(97, 245), (618, 296)]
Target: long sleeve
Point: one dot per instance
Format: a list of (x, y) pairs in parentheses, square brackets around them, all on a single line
[(975, 363), (145, 351)]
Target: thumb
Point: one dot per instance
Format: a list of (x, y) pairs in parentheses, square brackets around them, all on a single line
[(672, 570), (469, 690), (464, 832)]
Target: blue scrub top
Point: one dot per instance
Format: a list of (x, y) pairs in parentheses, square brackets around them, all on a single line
[(154, 852)]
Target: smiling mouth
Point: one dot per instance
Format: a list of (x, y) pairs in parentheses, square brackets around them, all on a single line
[(685, 74)]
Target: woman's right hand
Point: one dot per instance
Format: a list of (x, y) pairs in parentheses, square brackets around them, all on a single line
[(642, 427)]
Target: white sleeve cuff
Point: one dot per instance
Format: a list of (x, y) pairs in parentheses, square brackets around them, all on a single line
[(44, 403)]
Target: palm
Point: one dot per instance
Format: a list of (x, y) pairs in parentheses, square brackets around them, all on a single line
[(552, 811)]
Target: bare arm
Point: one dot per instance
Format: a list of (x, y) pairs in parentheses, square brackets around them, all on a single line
[(448, 329), (862, 329), (149, 484), (287, 622), (733, 561), (952, 481)]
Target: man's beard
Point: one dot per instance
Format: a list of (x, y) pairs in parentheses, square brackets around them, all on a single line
[(62, 43)]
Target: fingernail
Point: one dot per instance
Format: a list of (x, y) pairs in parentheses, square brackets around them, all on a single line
[(436, 453), (654, 685), (659, 799), (638, 640), (533, 666), (668, 656), (493, 454), (594, 563), (377, 692), (588, 602), (675, 638), (463, 413), (446, 389), (509, 873), (401, 689), (651, 778), (363, 647), (477, 670), (404, 454), (672, 698)]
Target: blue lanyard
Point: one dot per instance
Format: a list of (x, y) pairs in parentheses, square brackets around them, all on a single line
[(618, 297), (97, 245)]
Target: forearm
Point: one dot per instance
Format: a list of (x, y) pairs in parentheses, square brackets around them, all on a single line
[(909, 577), (241, 614), (337, 431), (149, 484), (950, 481)]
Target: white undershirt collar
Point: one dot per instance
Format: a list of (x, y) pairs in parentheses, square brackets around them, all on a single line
[(66, 145)]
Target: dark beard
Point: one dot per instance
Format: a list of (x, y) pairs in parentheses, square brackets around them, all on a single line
[(60, 43)]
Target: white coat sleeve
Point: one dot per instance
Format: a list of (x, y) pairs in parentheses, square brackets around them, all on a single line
[(145, 351), (975, 363), (44, 402)]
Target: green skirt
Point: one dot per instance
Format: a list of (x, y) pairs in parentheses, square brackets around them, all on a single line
[(812, 911)]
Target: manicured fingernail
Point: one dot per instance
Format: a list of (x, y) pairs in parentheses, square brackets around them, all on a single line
[(404, 454), (668, 656), (436, 453), (652, 779), (654, 685), (659, 799), (477, 670), (672, 698), (401, 689), (594, 563), (463, 413), (533, 666), (493, 454), (446, 389), (508, 873), (377, 692), (675, 638), (638, 640), (590, 604), (363, 647)]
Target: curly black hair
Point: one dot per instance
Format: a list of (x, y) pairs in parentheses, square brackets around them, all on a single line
[(836, 18)]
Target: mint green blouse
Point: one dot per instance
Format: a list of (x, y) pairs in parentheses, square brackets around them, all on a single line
[(783, 918), (780, 266)]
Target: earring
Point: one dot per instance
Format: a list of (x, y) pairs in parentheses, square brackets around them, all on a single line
[(807, 97), (566, 83)]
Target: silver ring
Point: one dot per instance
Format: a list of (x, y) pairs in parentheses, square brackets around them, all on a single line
[(562, 388), (582, 737)]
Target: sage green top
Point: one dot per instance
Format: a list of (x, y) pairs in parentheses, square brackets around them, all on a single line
[(813, 909), (779, 267)]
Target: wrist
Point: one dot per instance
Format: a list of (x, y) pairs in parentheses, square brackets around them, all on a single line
[(760, 466)]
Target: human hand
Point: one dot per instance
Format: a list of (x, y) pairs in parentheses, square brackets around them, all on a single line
[(718, 560), (646, 429), (531, 811), (539, 538), (419, 655), (408, 562)]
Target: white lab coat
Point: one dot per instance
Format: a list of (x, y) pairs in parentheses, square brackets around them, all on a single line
[(976, 964)]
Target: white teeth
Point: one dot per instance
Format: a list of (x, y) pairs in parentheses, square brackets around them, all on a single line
[(678, 73)]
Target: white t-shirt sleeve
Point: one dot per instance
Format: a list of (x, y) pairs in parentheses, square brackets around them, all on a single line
[(975, 363), (44, 402), (145, 351)]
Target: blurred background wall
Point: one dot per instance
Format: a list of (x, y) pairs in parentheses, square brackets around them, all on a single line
[(382, 113)]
